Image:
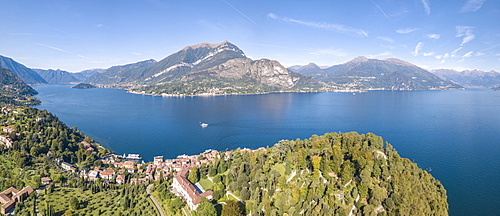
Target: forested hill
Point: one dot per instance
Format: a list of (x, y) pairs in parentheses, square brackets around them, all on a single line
[(328, 175), (13, 90)]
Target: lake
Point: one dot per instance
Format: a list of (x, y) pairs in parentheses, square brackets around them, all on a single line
[(456, 133)]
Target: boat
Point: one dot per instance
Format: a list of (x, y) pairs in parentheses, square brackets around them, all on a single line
[(203, 124)]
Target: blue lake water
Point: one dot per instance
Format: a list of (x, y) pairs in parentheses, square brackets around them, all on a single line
[(455, 133)]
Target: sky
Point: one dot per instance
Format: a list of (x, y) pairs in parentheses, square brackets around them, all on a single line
[(77, 35)]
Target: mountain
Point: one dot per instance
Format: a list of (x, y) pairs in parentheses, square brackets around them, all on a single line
[(205, 68), (27, 75), (13, 90), (57, 76), (120, 75), (362, 73), (85, 74), (309, 70), (470, 78)]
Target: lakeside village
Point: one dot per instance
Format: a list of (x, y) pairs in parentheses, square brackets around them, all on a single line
[(121, 169)]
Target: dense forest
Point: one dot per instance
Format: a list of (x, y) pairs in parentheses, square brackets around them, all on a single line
[(332, 174), (14, 91)]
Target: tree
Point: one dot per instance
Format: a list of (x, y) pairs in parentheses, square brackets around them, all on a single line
[(74, 203), (232, 208), (207, 209), (194, 175)]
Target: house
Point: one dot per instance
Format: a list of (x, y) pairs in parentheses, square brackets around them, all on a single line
[(66, 166), (9, 198), (107, 174), (183, 188), (120, 179), (6, 141), (46, 180), (93, 175), (8, 130), (157, 160), (129, 164)]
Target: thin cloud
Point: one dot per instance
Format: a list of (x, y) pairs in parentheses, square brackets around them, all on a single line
[(467, 55), (331, 52), (379, 8), (406, 30), (418, 48), (426, 6), (428, 54), (433, 36), (82, 56), (455, 51), (99, 25), (472, 6), (466, 33), (51, 47), (479, 53), (248, 18), (386, 53), (322, 25), (387, 39), (438, 57)]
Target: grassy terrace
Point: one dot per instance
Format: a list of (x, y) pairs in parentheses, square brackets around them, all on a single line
[(110, 202)]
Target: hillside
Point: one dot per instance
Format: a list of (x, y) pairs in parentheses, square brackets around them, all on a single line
[(27, 75), (470, 78), (14, 91), (205, 69), (57, 76), (333, 174), (362, 73), (85, 74)]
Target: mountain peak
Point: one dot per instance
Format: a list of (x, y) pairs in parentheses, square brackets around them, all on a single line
[(399, 61), (359, 59), (206, 45)]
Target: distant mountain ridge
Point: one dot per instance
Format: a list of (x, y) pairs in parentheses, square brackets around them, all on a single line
[(24, 73), (362, 73), (205, 68), (57, 76), (470, 78)]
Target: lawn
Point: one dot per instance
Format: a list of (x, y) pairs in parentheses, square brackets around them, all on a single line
[(280, 168), (206, 184)]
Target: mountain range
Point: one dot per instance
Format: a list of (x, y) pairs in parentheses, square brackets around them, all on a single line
[(470, 78), (205, 69), (362, 73)]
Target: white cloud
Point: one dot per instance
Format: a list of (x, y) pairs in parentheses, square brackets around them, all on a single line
[(446, 56), (387, 39), (406, 30), (433, 36), (242, 14), (466, 33), (51, 47), (100, 25), (376, 5), (82, 56), (428, 54), (426, 6), (472, 6), (323, 25), (386, 53), (443, 61), (418, 48), (455, 51), (479, 53), (438, 57), (467, 55)]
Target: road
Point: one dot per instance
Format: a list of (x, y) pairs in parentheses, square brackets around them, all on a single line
[(154, 200)]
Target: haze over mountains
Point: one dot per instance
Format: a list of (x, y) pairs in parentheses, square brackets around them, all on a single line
[(223, 68)]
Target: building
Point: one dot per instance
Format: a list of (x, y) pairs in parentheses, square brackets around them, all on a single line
[(46, 180), (107, 174), (120, 179), (6, 141), (158, 160), (66, 166), (8, 130), (11, 196), (93, 175), (183, 188)]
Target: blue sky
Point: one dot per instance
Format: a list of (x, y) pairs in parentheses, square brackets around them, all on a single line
[(77, 35)]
